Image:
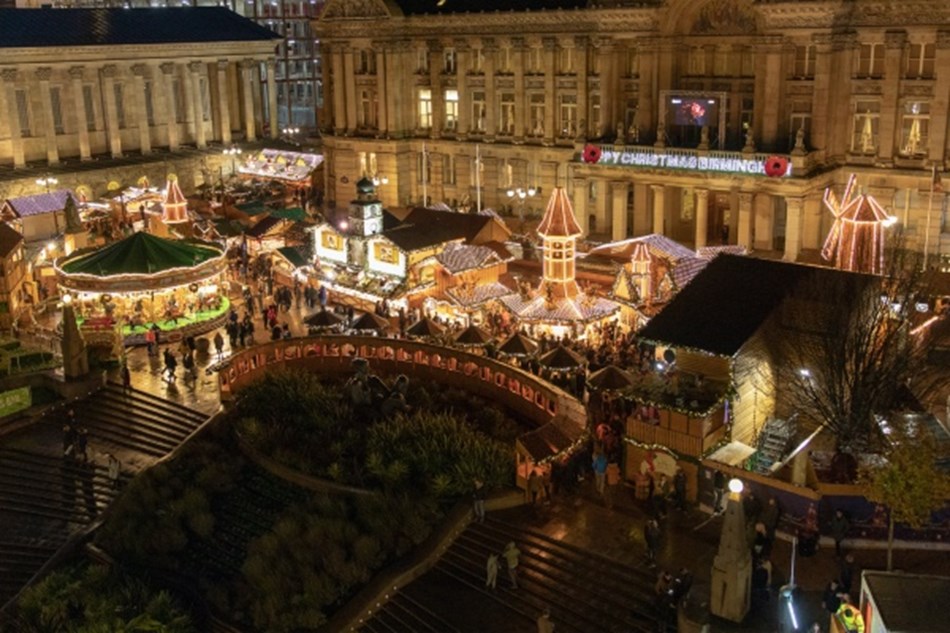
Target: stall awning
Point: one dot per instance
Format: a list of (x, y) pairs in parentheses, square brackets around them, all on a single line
[(732, 454), (294, 213), (294, 256)]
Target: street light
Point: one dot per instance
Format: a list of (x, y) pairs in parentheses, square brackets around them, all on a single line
[(379, 180), (232, 152), (523, 193)]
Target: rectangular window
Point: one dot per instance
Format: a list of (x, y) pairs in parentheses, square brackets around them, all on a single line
[(368, 108), (594, 110), (866, 121), (57, 108), (745, 114), (478, 111), (592, 190), (799, 119), (23, 112), (871, 61), (568, 116), (117, 90), (448, 61), (506, 120), (507, 175), (914, 127), (451, 109), (422, 61), (506, 56), (536, 113), (535, 64), (89, 105), (804, 62), (630, 116), (425, 109), (205, 99), (478, 61), (448, 169), (149, 106), (920, 61), (722, 62)]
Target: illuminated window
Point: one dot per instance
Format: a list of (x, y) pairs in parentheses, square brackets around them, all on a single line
[(332, 241), (536, 112), (451, 109), (864, 133), (425, 109), (478, 111), (507, 119), (386, 253), (920, 61), (915, 123), (568, 114)]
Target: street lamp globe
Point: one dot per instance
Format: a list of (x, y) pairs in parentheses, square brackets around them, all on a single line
[(735, 486), (511, 193)]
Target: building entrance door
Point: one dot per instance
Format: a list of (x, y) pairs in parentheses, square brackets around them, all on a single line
[(721, 228)]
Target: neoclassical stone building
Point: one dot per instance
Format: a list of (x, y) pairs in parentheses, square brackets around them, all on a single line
[(685, 100), (81, 83)]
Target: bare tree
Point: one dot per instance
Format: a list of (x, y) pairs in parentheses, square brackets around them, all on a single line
[(849, 345)]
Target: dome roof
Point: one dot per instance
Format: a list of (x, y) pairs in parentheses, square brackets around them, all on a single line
[(365, 185)]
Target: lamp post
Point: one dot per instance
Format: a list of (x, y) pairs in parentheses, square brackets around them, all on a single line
[(522, 194), (232, 152), (49, 182), (291, 134), (732, 567)]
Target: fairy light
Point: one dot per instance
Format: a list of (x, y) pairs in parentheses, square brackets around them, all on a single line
[(856, 239)]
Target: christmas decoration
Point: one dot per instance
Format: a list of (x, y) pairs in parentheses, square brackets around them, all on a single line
[(591, 153), (776, 166), (856, 239)]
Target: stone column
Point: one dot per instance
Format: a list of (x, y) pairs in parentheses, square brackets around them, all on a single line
[(579, 200), (702, 217), (194, 71), (463, 53), (112, 122), (580, 47), (618, 210), (646, 106), (436, 64), (339, 93), (731, 584), (608, 92), (43, 75), (272, 120), (490, 49), (890, 115), (839, 98), (517, 60), (382, 89), (145, 136), (641, 209), (659, 208), (939, 106), (224, 111), (768, 91), (811, 222), (793, 228), (13, 117), (171, 115), (744, 231), (79, 102), (822, 90), (549, 45), (250, 125), (764, 221), (349, 85)]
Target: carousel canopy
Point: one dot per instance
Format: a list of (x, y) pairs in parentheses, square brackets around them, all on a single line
[(323, 319), (610, 378), (518, 345), (562, 358), (141, 253), (473, 335), (425, 327), (370, 321)]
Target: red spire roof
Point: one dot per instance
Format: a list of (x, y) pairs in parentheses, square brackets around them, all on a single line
[(175, 205), (559, 220)]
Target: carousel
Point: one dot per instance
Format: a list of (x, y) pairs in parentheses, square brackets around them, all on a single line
[(143, 282), (558, 306)]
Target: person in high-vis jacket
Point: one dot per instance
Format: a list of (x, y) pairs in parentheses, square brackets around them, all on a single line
[(850, 618)]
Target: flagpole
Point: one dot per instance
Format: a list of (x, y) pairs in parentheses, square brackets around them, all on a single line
[(478, 179), (930, 208), (425, 175)]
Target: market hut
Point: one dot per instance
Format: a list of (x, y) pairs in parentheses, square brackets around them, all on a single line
[(145, 280)]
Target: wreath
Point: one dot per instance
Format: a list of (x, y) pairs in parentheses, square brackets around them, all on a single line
[(776, 166), (193, 287), (591, 153)]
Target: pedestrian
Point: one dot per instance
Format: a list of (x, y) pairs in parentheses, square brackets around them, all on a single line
[(171, 364), (599, 463), (761, 543), (719, 491), (512, 556), (664, 601), (188, 364), (682, 583), (491, 571), (679, 489), (831, 598), (113, 464), (218, 344), (545, 624), (82, 441), (849, 617), (150, 341), (651, 536), (839, 529), (846, 574), (69, 434), (126, 378), (478, 499), (660, 493), (770, 516), (535, 487)]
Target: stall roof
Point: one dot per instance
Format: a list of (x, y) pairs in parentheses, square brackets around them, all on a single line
[(293, 255), (909, 603), (140, 253), (294, 213), (9, 239), (263, 227), (40, 203)]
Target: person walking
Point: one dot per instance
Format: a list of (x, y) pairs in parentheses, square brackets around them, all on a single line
[(545, 623), (478, 500), (651, 536), (188, 364), (839, 529), (491, 571), (171, 364), (218, 344), (113, 465), (150, 341), (512, 556)]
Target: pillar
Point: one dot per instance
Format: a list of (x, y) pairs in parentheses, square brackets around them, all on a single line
[(490, 49), (939, 106), (702, 218), (839, 99), (339, 93), (618, 210), (602, 205), (272, 120), (764, 221), (731, 579), (517, 61), (890, 115), (79, 102), (744, 230), (549, 45), (641, 209), (145, 137), (171, 116), (13, 118), (793, 228), (768, 91), (463, 54), (659, 208), (436, 66), (382, 88), (822, 89), (581, 48), (349, 87), (811, 222), (112, 122), (43, 76), (224, 110), (646, 119), (194, 72), (579, 201), (250, 126)]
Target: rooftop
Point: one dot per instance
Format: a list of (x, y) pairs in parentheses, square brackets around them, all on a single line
[(909, 603), (9, 239), (40, 203)]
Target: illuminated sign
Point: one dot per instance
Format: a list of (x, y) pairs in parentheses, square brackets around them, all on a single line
[(737, 164)]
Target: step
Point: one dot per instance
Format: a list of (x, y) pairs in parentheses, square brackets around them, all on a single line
[(157, 402), (118, 403), (139, 420), (105, 420)]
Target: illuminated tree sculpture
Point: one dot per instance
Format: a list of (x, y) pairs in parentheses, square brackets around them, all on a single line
[(856, 239)]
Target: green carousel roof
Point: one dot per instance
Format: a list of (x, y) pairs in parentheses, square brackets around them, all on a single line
[(143, 254)]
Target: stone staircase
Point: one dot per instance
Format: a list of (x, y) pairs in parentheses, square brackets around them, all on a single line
[(584, 590), (45, 498)]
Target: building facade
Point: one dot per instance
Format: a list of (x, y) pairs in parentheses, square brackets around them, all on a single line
[(161, 78), (682, 102)]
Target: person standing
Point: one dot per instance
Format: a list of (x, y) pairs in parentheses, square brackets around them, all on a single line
[(831, 598), (150, 341), (218, 344), (651, 536), (491, 571), (599, 462), (126, 378), (545, 624), (512, 556), (839, 529), (69, 434), (849, 617), (478, 500), (113, 464), (719, 491), (679, 489)]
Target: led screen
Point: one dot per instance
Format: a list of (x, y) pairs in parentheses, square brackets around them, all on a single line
[(694, 111)]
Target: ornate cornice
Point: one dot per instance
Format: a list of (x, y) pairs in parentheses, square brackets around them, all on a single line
[(76, 72), (44, 74)]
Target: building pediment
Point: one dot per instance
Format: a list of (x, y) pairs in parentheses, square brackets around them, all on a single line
[(356, 10)]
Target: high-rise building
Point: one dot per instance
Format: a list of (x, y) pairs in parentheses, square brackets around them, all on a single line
[(707, 121)]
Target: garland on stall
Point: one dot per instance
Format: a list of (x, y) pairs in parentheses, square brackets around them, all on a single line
[(580, 441)]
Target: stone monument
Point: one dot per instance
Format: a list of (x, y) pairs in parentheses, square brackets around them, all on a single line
[(732, 568)]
